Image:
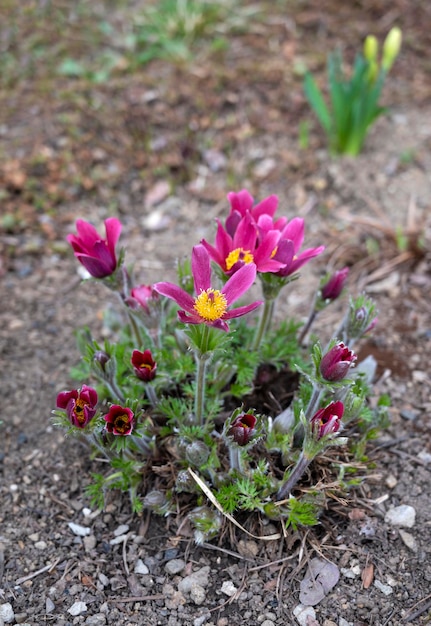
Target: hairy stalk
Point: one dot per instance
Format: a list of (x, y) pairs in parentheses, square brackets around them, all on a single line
[(151, 395), (235, 460), (264, 322), (314, 402), (311, 317), (299, 469), (202, 358), (113, 388)]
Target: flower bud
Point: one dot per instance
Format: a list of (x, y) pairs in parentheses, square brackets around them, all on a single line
[(242, 429), (157, 502), (145, 297), (334, 286), (327, 420), (197, 453), (336, 363), (361, 317), (391, 48), (101, 357), (184, 482), (371, 48)]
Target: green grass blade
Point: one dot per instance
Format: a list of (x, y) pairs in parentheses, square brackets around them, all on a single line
[(317, 103)]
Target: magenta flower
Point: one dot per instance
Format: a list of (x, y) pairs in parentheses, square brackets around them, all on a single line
[(245, 246), (120, 420), (327, 420), (241, 203), (80, 405), (336, 363), (242, 428), (97, 255), (144, 365), (145, 296), (210, 306), (294, 231), (332, 289)]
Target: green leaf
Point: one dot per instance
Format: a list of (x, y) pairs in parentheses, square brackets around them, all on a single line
[(315, 98)]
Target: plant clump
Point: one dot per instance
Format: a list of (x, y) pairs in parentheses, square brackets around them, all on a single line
[(172, 404)]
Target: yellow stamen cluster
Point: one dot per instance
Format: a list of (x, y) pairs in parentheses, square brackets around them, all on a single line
[(79, 410), (122, 424), (238, 255), (211, 305)]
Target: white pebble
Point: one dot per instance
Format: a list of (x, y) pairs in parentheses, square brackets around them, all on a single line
[(77, 529), (386, 589), (77, 608), (121, 530), (304, 614), (403, 516), (6, 613), (228, 588), (141, 568)]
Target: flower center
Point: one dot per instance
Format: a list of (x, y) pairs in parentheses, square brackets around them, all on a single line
[(238, 255), (211, 304), (122, 424), (79, 410)]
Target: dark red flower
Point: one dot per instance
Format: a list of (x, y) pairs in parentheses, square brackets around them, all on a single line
[(144, 365), (242, 428), (327, 420), (96, 254), (120, 420), (336, 363), (80, 405)]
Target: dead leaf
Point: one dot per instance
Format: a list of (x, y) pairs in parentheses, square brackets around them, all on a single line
[(367, 575), (321, 576)]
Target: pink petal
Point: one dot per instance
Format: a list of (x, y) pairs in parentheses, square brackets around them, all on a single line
[(267, 206), (241, 201), (294, 230), (239, 283), (201, 268), (242, 310), (113, 228), (181, 297)]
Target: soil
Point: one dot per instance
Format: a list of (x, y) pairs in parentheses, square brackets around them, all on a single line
[(160, 146)]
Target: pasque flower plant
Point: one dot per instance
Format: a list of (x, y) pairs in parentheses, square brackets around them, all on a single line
[(173, 386)]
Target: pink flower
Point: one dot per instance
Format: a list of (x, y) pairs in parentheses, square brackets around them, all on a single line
[(294, 231), (327, 420), (120, 420), (210, 306), (334, 286), (241, 203), (97, 255), (336, 363), (80, 405), (145, 296), (144, 365), (244, 247), (242, 428)]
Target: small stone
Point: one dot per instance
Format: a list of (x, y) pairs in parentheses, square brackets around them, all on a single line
[(96, 620), (141, 568), (49, 606), (77, 608), (403, 516), (391, 481), (121, 530), (120, 539), (77, 529), (386, 589), (344, 622), (199, 621), (408, 540), (41, 545), (174, 566), (268, 622), (409, 415), (6, 613), (200, 577), (248, 549), (228, 588), (90, 543), (304, 614), (197, 594)]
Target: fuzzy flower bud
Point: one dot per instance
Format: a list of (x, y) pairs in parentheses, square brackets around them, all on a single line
[(336, 362), (197, 453), (101, 357), (391, 48), (333, 288), (242, 429)]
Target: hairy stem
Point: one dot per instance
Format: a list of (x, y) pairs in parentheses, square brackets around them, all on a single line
[(264, 322), (299, 469)]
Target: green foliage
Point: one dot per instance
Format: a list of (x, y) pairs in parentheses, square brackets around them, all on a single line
[(301, 513), (354, 101)]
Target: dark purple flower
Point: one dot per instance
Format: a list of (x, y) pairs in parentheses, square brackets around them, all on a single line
[(327, 420), (332, 289), (119, 420), (210, 305), (144, 365), (336, 363), (80, 405), (96, 254), (242, 428)]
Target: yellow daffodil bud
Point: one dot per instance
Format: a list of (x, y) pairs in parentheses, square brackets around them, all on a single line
[(371, 48), (391, 48)]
